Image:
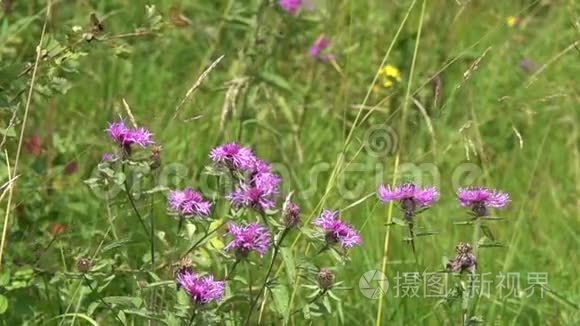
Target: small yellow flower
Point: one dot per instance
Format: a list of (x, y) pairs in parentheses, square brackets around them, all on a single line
[(387, 83), (511, 21), (389, 74)]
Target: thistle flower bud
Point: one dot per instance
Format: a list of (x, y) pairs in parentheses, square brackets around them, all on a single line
[(325, 278), (155, 158), (83, 265), (291, 215)]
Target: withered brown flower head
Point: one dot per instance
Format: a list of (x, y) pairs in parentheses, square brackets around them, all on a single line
[(464, 260)]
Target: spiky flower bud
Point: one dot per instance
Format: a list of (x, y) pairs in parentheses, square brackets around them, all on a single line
[(291, 215), (83, 265), (464, 260), (325, 278)]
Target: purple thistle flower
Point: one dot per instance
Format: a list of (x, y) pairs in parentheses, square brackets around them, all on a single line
[(251, 196), (336, 230), (479, 199), (201, 290), (233, 156), (267, 182), (125, 136), (258, 193), (409, 196), (261, 166), (251, 237), (319, 45), (290, 6), (187, 202)]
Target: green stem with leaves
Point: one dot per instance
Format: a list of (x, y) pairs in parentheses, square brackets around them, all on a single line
[(274, 255), (198, 242), (311, 301), (88, 283), (133, 205)]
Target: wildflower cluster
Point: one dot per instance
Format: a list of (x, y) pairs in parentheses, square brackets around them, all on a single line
[(413, 200), (257, 186), (253, 201)]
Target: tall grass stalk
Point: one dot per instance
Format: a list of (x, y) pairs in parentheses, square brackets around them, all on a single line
[(402, 129)]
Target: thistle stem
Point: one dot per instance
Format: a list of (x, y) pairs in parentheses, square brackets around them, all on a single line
[(274, 255), (231, 273), (88, 283), (132, 202), (198, 242), (412, 241), (318, 296), (193, 315)]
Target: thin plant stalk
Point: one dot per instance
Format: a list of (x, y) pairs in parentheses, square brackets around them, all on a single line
[(384, 263), (231, 273), (412, 241), (115, 312), (262, 288), (193, 315), (198, 242), (311, 301), (133, 205)]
